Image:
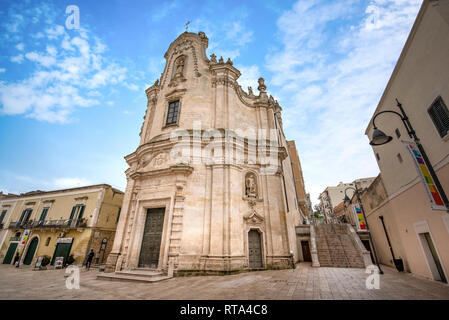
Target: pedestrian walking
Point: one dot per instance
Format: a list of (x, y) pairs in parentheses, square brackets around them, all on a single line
[(16, 259), (292, 258), (90, 256)]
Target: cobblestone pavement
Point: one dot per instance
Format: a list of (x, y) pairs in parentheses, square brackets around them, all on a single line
[(304, 282)]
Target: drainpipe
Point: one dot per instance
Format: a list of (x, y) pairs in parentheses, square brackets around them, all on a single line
[(397, 262)]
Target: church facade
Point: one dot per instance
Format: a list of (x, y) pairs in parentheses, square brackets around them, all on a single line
[(210, 189)]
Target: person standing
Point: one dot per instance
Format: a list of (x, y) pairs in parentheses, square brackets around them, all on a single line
[(90, 256), (292, 260), (16, 259)]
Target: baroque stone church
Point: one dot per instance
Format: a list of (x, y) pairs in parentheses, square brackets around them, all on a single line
[(210, 189)]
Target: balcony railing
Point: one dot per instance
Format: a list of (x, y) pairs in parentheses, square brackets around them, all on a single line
[(59, 224)]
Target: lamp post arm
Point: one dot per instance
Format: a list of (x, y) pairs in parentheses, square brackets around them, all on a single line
[(404, 120)]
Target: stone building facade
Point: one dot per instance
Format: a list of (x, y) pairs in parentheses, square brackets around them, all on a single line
[(303, 197), (59, 223), (210, 188), (399, 205)]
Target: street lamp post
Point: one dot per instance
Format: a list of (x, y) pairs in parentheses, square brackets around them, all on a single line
[(379, 138), (346, 199)]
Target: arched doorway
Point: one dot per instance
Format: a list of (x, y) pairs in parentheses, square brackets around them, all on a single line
[(255, 249), (31, 250)]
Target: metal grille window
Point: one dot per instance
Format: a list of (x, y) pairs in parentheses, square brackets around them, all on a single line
[(440, 116), (172, 114)]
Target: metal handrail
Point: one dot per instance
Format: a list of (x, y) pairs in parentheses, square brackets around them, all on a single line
[(42, 224)]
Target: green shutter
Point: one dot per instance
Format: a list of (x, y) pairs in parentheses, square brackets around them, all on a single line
[(43, 214), (21, 217), (118, 216), (28, 215), (2, 216), (80, 216), (73, 212)]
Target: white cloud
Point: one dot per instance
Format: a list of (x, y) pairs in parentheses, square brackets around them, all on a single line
[(15, 24), (249, 77), (17, 59), (132, 86), (55, 32), (45, 61), (226, 38), (330, 80), (2, 70), (66, 74)]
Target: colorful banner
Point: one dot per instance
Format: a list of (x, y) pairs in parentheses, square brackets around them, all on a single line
[(361, 224), (435, 198), (26, 233)]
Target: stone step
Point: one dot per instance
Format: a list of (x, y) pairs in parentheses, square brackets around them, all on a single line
[(118, 276), (336, 248), (141, 273)]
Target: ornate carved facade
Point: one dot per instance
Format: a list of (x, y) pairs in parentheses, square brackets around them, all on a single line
[(223, 197)]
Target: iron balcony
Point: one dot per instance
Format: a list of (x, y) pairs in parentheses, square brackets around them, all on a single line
[(47, 224)]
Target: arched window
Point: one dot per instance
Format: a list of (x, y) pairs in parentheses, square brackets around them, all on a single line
[(47, 242)]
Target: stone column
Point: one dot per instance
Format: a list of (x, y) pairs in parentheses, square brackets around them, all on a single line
[(113, 257), (313, 250)]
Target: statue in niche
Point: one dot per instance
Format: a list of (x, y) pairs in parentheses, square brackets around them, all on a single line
[(180, 62), (250, 186)]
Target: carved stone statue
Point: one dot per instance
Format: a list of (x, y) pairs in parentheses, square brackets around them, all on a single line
[(262, 87), (251, 186), (180, 67)]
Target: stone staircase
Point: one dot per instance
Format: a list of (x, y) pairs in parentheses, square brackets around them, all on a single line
[(337, 248), (136, 275)]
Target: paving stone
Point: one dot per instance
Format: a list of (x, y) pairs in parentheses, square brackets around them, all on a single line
[(304, 282)]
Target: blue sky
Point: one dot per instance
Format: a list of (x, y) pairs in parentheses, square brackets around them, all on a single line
[(72, 101)]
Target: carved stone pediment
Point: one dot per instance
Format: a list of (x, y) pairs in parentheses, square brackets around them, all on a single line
[(159, 161), (254, 218)]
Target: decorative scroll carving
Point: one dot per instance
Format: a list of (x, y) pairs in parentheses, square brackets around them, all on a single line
[(253, 217)]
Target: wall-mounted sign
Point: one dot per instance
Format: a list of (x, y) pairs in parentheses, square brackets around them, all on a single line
[(59, 262), (436, 201), (25, 236), (360, 220), (64, 240)]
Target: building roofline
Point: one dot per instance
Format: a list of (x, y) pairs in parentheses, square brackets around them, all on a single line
[(404, 51), (39, 192)]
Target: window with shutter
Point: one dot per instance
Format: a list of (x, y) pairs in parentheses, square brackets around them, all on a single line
[(2, 215), (72, 214), (27, 215), (43, 214), (440, 116), (81, 212), (22, 215)]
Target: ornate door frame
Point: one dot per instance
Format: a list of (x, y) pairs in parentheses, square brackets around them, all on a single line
[(139, 226), (248, 228)]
